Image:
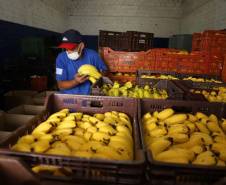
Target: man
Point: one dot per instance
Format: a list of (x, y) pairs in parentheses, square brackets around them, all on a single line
[(67, 64)]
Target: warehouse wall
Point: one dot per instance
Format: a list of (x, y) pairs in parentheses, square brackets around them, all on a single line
[(45, 14), (202, 15), (161, 17)]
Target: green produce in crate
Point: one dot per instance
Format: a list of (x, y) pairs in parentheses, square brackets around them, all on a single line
[(188, 139), (128, 90)]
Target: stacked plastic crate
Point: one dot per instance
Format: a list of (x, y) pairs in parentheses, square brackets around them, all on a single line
[(124, 53)]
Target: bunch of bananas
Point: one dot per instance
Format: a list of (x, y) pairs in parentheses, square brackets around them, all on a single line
[(178, 53), (128, 90), (107, 136), (124, 74), (90, 70), (164, 77), (213, 96), (202, 80), (185, 138)]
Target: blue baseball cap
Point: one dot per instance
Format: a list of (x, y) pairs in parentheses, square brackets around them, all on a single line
[(70, 39)]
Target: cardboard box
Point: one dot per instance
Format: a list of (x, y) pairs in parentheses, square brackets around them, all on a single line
[(39, 98), (10, 122), (26, 110), (17, 97), (4, 134)]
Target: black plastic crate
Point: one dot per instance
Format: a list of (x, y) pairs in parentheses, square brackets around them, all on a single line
[(111, 171), (173, 91), (170, 173), (188, 95), (149, 81), (96, 87)]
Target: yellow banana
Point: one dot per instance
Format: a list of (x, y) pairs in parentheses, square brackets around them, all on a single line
[(219, 139), (160, 130), (66, 125), (178, 160), (151, 126), (67, 111), (120, 114), (192, 118), (58, 115), (176, 153), (160, 145), (100, 156), (78, 132), (122, 148), (193, 141), (101, 136), (69, 118), (62, 132), (155, 114), (61, 146), (54, 120), (222, 155), (220, 162), (223, 125), (82, 154), (122, 128), (213, 118), (175, 119), (207, 138), (123, 134), (48, 137), (179, 137), (199, 115), (127, 122), (92, 79), (197, 149), (150, 120), (205, 158), (43, 127), (40, 146), (75, 138), (87, 124), (91, 146), (111, 152), (80, 124), (29, 139), (165, 114), (145, 117), (122, 139), (44, 169), (72, 145), (88, 136), (202, 127), (92, 129), (99, 116), (177, 128), (216, 147), (23, 147), (108, 129), (214, 127), (204, 120)]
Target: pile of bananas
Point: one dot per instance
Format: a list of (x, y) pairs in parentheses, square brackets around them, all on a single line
[(202, 80), (124, 74), (164, 77), (90, 70), (185, 138), (213, 96), (178, 53), (106, 136), (128, 90)]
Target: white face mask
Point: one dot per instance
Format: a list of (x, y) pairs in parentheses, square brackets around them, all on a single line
[(74, 55)]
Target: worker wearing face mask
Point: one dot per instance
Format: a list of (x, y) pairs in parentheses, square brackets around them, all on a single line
[(67, 64)]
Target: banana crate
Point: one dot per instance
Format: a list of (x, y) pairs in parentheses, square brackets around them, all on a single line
[(172, 90), (152, 77), (197, 94), (202, 85), (166, 173), (83, 170)]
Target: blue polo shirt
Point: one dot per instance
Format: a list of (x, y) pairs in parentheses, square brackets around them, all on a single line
[(67, 68)]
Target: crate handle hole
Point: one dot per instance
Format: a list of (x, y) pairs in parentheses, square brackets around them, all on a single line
[(182, 109), (97, 104)]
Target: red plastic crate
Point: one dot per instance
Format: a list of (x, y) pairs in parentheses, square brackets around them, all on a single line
[(196, 62), (214, 41), (196, 41), (119, 61), (39, 83)]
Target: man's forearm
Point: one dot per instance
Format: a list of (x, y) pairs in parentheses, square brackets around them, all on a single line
[(66, 84)]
